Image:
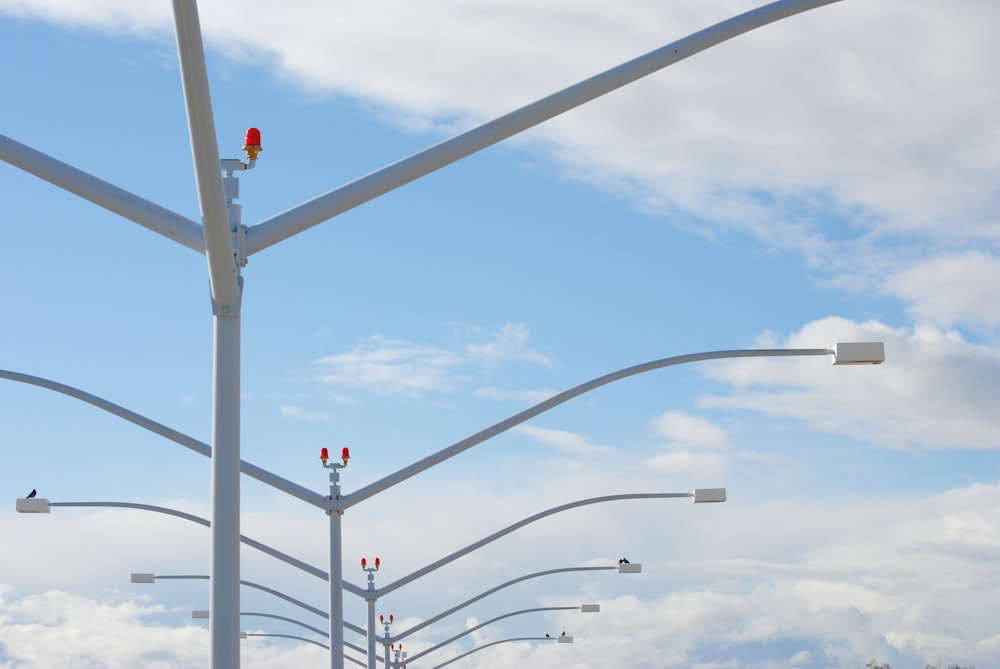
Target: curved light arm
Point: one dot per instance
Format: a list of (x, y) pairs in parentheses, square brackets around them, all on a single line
[(312, 641), (308, 627), (253, 543), (411, 658), (304, 216), (287, 620), (150, 578), (195, 445), (554, 401), (297, 638), (492, 643), (507, 530), (444, 614)]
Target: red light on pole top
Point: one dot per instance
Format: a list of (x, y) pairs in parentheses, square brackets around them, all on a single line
[(364, 563), (378, 563), (345, 455), (252, 143), (324, 454)]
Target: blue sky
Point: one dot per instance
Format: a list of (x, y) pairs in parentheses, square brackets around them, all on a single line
[(828, 178)]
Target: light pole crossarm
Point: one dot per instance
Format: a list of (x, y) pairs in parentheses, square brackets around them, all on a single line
[(518, 525), (139, 210), (470, 630), (200, 447), (367, 188), (465, 444), (430, 621)]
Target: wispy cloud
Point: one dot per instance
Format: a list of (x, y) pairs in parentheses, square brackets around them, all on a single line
[(397, 367), (304, 414), (563, 440)]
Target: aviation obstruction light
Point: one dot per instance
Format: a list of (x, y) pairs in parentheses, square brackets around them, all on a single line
[(345, 455), (324, 455), (252, 143)]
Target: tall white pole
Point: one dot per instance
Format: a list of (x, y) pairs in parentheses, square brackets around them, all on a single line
[(224, 598), (226, 286), (336, 577)]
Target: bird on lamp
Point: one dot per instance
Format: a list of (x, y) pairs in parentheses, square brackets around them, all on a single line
[(31, 494), (623, 561)]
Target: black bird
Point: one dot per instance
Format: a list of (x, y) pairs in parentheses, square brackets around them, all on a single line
[(623, 561), (547, 636), (563, 634), (32, 494)]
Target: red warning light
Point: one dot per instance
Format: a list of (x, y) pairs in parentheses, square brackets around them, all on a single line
[(364, 563), (378, 563), (345, 455), (324, 454), (252, 143)]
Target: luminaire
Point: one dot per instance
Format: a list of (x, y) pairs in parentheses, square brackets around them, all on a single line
[(859, 353)]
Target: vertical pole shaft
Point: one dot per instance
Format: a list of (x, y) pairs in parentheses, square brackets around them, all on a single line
[(372, 634), (224, 576), (336, 618)]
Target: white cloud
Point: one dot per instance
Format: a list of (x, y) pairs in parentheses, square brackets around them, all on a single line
[(531, 397), (509, 344), (703, 466), (951, 290), (691, 430), (392, 366), (304, 414)]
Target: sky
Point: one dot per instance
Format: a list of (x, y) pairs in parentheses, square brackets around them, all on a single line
[(828, 178)]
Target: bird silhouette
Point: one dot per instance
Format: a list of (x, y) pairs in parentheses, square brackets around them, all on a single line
[(547, 636), (623, 561), (32, 494)]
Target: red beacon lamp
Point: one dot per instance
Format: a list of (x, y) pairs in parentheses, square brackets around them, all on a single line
[(345, 455), (252, 143)]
